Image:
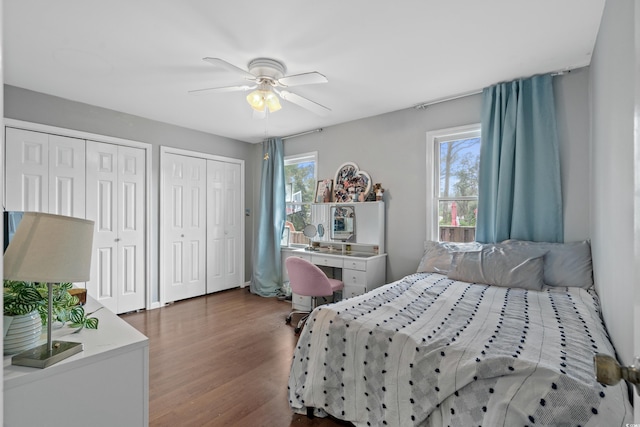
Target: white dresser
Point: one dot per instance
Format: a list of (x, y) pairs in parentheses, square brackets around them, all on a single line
[(107, 384)]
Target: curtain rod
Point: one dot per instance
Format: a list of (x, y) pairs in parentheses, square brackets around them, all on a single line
[(302, 133), (424, 105)]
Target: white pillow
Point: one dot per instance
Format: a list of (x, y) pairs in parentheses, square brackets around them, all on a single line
[(437, 255), (500, 265), (565, 264)]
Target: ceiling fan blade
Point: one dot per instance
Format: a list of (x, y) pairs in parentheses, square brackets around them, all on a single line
[(230, 67), (223, 89), (305, 103), (303, 79)]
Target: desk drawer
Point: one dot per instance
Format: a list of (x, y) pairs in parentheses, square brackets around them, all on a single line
[(355, 264), (352, 291), (325, 260), (353, 277)]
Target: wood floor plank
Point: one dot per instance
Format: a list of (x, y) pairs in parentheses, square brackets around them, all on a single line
[(221, 360)]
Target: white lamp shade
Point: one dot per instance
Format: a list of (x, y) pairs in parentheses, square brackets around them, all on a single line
[(50, 248)]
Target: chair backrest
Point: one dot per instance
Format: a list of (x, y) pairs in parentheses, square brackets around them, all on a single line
[(307, 279)]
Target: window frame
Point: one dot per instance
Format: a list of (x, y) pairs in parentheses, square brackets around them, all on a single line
[(433, 199)]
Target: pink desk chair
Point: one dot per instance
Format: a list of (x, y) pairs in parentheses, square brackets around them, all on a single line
[(307, 279)]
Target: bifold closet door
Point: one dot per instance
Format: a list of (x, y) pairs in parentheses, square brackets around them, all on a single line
[(184, 226), (44, 173), (224, 257), (116, 194)]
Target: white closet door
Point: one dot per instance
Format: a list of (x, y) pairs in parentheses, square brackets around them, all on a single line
[(27, 171), (131, 229), (233, 224), (102, 202), (184, 225), (215, 226), (115, 201), (224, 257)]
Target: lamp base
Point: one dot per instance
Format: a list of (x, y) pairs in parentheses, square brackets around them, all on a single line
[(42, 357)]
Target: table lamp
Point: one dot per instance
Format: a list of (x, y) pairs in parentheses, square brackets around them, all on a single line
[(49, 249)]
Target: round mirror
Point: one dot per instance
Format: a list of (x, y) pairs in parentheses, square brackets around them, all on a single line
[(309, 231)]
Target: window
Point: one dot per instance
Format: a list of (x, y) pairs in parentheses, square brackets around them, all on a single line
[(300, 186), (452, 199)]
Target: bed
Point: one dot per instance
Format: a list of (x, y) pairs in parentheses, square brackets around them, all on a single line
[(433, 349)]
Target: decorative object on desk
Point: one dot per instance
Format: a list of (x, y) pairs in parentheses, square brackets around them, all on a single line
[(351, 184), (320, 228), (23, 298), (323, 191), (286, 233), (22, 331), (49, 249), (378, 190), (309, 232)]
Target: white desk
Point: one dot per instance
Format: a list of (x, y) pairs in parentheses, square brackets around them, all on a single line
[(107, 384), (360, 272)]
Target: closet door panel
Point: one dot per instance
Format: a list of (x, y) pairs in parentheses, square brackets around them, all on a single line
[(27, 170), (184, 180), (233, 218), (67, 176), (102, 205), (216, 253), (131, 233)]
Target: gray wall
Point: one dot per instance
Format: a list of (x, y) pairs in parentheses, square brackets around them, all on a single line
[(614, 217), (392, 149), (26, 105)]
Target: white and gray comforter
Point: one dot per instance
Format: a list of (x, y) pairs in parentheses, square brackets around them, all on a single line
[(429, 351)]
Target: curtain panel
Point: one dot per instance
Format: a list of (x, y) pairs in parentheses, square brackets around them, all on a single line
[(520, 194), (266, 279)]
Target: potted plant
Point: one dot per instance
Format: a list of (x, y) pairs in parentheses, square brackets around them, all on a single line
[(24, 298)]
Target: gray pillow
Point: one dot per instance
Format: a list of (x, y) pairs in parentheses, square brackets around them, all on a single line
[(437, 255), (500, 265), (565, 264)]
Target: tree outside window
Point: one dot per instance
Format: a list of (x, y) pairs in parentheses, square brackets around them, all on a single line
[(454, 200), (300, 184)]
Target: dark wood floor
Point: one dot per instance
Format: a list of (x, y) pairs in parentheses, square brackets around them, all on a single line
[(221, 360)]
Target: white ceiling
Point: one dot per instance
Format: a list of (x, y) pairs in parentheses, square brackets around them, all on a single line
[(142, 56)]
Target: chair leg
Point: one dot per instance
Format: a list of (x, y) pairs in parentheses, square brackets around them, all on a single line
[(288, 319)]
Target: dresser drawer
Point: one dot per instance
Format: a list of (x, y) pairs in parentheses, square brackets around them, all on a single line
[(353, 277), (355, 264), (325, 260), (300, 302), (352, 291)]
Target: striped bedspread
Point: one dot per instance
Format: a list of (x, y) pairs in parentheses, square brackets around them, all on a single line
[(429, 351)]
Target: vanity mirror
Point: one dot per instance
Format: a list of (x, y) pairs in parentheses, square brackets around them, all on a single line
[(343, 223)]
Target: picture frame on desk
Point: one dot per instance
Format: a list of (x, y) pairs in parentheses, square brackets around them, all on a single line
[(323, 191)]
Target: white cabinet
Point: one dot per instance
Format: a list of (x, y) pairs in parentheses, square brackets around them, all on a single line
[(44, 173), (298, 302), (116, 188), (362, 275), (109, 380)]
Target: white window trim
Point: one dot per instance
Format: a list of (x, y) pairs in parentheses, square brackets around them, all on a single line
[(434, 138)]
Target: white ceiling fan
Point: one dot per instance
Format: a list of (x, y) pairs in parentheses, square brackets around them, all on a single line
[(268, 83)]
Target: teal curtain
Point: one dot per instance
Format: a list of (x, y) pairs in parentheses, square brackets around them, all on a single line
[(267, 268), (520, 195)]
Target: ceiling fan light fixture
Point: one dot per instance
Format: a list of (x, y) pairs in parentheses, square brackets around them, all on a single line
[(261, 98)]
